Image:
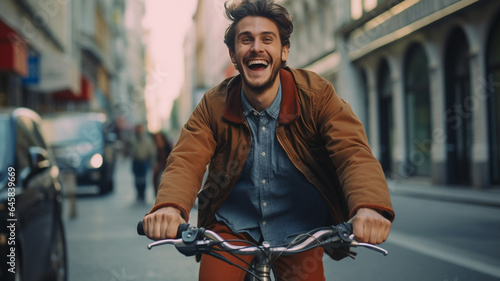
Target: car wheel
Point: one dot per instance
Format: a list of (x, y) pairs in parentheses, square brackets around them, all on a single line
[(58, 258), (111, 185), (106, 187)]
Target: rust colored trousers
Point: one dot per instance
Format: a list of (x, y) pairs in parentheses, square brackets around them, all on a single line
[(304, 266)]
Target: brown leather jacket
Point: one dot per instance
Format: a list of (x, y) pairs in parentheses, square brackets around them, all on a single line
[(317, 129)]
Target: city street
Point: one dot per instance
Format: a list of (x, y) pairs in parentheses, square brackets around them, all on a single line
[(430, 240), (415, 82)]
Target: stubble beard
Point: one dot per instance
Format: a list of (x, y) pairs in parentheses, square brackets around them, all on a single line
[(264, 86)]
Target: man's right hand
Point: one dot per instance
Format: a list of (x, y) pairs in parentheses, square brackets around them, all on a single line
[(163, 223)]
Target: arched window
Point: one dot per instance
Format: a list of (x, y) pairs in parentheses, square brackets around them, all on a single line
[(458, 113), (493, 91), (386, 116), (366, 102), (418, 111)]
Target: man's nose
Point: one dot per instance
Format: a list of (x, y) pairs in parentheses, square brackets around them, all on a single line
[(257, 46)]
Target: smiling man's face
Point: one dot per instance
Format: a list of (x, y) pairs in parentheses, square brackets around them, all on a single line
[(258, 53)]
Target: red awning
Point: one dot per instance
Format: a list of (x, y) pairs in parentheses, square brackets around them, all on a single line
[(13, 51), (86, 92)]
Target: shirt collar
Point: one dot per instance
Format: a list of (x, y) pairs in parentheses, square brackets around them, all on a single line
[(273, 110)]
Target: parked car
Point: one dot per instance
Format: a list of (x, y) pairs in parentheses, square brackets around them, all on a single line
[(82, 143), (32, 242)]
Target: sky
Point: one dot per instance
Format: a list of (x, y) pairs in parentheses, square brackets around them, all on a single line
[(167, 22)]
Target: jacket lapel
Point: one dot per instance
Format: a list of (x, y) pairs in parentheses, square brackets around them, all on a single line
[(290, 109), (233, 109)]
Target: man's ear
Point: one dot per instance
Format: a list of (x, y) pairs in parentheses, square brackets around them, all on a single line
[(233, 59), (284, 52), (231, 55)]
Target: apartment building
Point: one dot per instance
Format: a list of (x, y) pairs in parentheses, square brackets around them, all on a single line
[(423, 76)]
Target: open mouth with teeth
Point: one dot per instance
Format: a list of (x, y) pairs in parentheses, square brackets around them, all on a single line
[(257, 65)]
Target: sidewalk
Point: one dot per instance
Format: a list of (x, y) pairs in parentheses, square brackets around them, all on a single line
[(463, 194)]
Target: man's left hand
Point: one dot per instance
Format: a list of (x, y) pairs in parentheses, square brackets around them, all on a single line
[(370, 227)]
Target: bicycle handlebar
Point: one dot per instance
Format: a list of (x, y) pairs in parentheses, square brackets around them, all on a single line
[(191, 240)]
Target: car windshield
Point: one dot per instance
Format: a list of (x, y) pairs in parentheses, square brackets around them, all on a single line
[(4, 145), (67, 130)]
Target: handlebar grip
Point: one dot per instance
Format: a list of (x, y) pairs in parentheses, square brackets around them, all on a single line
[(140, 228), (183, 227)]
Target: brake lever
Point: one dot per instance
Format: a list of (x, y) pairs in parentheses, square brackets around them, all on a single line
[(370, 246), (165, 242)]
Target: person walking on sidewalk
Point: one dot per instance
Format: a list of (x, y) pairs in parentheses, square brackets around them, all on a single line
[(163, 149), (285, 155), (143, 153)]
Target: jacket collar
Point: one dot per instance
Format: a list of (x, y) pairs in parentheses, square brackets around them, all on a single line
[(289, 111)]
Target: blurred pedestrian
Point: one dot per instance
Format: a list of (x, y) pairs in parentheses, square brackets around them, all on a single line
[(163, 149), (143, 153)]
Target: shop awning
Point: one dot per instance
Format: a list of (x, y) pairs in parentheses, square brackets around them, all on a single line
[(84, 93), (13, 50)]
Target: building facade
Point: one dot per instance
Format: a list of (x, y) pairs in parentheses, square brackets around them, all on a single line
[(36, 52), (423, 76), (59, 55), (207, 61)]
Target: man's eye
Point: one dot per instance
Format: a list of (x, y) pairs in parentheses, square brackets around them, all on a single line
[(246, 40)]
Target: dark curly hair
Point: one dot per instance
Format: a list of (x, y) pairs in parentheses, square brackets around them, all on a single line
[(260, 8)]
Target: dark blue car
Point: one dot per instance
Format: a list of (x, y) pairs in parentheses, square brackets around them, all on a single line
[(83, 143), (32, 239)]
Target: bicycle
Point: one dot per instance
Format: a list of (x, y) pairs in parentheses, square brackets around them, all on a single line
[(191, 241)]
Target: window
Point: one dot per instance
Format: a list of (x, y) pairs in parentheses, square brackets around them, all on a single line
[(369, 5), (102, 32), (493, 92), (458, 112), (366, 105), (386, 116), (28, 135), (4, 94), (359, 7), (418, 111), (5, 145), (24, 140), (356, 9)]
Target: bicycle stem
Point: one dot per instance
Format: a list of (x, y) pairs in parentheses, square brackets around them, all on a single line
[(262, 263)]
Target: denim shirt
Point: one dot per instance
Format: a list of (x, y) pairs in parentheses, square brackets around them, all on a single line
[(272, 200)]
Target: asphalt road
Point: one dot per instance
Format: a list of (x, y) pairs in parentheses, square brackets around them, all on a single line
[(431, 240)]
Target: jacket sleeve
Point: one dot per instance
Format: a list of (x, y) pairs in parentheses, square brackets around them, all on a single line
[(359, 172), (186, 164)]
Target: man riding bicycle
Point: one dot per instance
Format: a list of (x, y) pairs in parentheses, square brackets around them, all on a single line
[(285, 155)]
